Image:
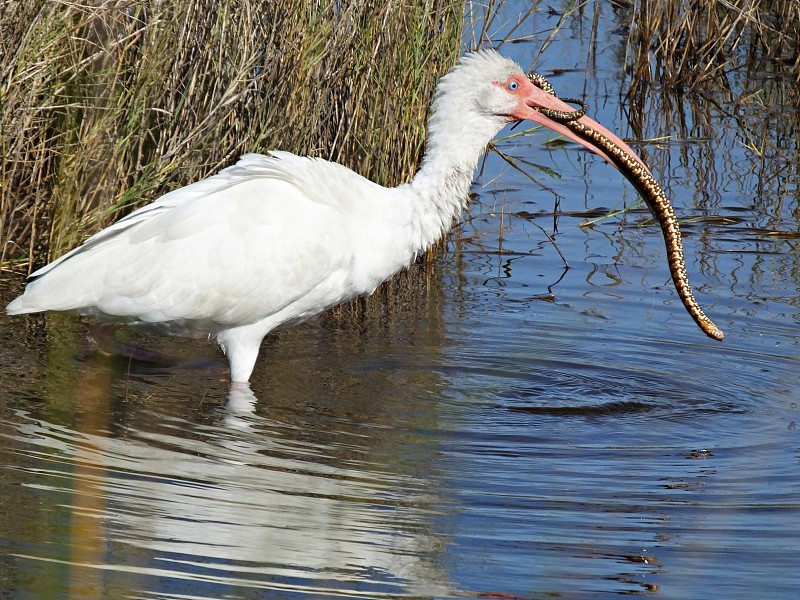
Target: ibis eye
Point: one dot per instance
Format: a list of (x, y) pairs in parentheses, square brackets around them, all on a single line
[(513, 85)]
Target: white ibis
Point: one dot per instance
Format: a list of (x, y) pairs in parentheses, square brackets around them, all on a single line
[(278, 238)]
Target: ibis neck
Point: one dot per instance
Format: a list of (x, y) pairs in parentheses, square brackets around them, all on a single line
[(439, 195), (440, 189)]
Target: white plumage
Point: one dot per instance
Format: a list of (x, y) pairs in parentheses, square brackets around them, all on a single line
[(276, 239)]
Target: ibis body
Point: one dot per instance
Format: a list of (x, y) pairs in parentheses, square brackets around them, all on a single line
[(277, 238)]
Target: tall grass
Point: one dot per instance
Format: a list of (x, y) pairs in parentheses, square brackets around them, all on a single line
[(689, 44), (106, 105), (739, 59)]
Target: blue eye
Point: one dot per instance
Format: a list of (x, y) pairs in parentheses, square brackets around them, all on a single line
[(513, 85)]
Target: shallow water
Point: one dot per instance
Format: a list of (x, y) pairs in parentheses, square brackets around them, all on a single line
[(514, 429)]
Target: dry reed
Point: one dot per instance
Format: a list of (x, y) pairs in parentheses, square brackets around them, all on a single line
[(104, 106), (686, 44), (737, 59)]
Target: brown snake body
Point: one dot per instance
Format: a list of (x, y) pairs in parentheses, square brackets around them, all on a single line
[(652, 193)]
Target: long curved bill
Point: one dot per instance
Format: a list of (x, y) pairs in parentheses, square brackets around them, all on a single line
[(537, 98)]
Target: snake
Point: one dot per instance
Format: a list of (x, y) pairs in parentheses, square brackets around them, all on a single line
[(649, 189)]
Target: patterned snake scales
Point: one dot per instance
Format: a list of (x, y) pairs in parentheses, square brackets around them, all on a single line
[(649, 189)]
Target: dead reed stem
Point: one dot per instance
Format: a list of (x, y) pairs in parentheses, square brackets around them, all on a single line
[(686, 44)]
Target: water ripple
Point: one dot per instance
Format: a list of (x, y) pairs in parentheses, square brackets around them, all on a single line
[(225, 508)]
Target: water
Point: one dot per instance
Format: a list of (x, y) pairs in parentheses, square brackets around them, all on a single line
[(515, 429)]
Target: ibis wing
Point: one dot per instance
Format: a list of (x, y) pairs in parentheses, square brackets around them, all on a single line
[(231, 249)]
